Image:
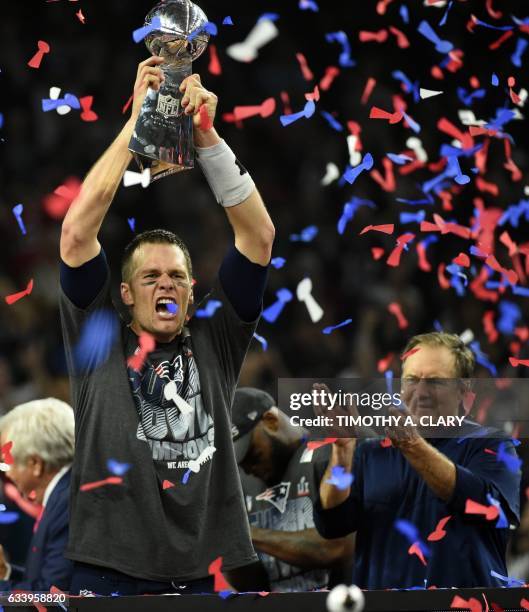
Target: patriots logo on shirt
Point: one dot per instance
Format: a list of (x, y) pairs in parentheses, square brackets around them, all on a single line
[(276, 495)]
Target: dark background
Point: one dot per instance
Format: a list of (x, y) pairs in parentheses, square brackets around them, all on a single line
[(99, 58)]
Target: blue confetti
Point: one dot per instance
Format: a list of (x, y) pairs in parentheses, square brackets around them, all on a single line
[(227, 20), (332, 121), (307, 235), (98, 334), (262, 340), (511, 460), (208, 310), (307, 112), (407, 529), (407, 217), (139, 34), (278, 262), (308, 5), (509, 316), (132, 223), (273, 311), (340, 37), (351, 174), (328, 330), (408, 85), (1, 121), (516, 57), (467, 97), (445, 16), (172, 308), (18, 209), (209, 27), (349, 211), (186, 476), (69, 100), (442, 46), (404, 14), (226, 594), (494, 80), (511, 582), (482, 358), (117, 468), (399, 159), (341, 479), (7, 518), (388, 375), (268, 17), (491, 27)]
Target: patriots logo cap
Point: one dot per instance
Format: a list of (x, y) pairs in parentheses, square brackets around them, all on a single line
[(249, 405)]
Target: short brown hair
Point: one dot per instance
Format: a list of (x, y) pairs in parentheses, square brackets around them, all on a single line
[(157, 236), (464, 357)]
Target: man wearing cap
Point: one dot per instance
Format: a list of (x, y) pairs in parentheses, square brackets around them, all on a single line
[(279, 504)]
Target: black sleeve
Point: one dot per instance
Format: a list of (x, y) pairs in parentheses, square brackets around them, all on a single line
[(82, 285), (243, 283)]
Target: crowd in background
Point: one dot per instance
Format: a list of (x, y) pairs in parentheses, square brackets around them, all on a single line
[(98, 58)]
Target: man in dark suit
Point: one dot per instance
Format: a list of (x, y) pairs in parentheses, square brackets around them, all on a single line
[(38, 462)]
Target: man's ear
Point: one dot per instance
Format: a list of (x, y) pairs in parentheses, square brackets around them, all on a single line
[(126, 294), (271, 420), (191, 298)]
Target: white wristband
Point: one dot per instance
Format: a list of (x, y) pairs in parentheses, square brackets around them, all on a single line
[(228, 178)]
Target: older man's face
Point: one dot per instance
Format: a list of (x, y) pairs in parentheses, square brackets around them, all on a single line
[(429, 382)]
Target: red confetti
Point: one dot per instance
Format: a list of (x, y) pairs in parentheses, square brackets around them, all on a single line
[(439, 532), (462, 260), (377, 253), (424, 264), (386, 228), (494, 14), (380, 36), (388, 182), (265, 109), (80, 16), (395, 255), (402, 39), (396, 310), (214, 66), (6, 453), (331, 72), (314, 444), (368, 90), (313, 95), (114, 480), (147, 345), (305, 70), (87, 113), (517, 362), (489, 512), (415, 549), (35, 61), (444, 283), (473, 604), (287, 110), (167, 484), (489, 327), (409, 353), (496, 44), (524, 603), (379, 113), (57, 204), (384, 363), (382, 5), (205, 120), (14, 297), (465, 138), (386, 443), (515, 98), (127, 104), (220, 583)]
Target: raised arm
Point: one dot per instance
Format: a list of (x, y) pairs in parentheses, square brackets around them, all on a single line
[(228, 179), (81, 224)]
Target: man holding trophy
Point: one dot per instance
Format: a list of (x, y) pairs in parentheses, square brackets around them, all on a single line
[(155, 405)]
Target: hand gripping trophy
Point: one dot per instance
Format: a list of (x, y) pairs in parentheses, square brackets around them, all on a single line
[(163, 136)]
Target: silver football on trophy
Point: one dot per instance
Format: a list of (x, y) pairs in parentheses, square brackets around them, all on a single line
[(163, 135)]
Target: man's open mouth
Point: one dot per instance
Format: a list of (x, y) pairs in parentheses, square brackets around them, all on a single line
[(166, 307)]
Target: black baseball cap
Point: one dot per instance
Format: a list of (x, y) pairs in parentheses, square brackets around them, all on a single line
[(249, 405)]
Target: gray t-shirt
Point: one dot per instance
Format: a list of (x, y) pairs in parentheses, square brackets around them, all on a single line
[(287, 506), (165, 521)]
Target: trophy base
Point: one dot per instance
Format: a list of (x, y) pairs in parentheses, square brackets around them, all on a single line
[(159, 169)]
